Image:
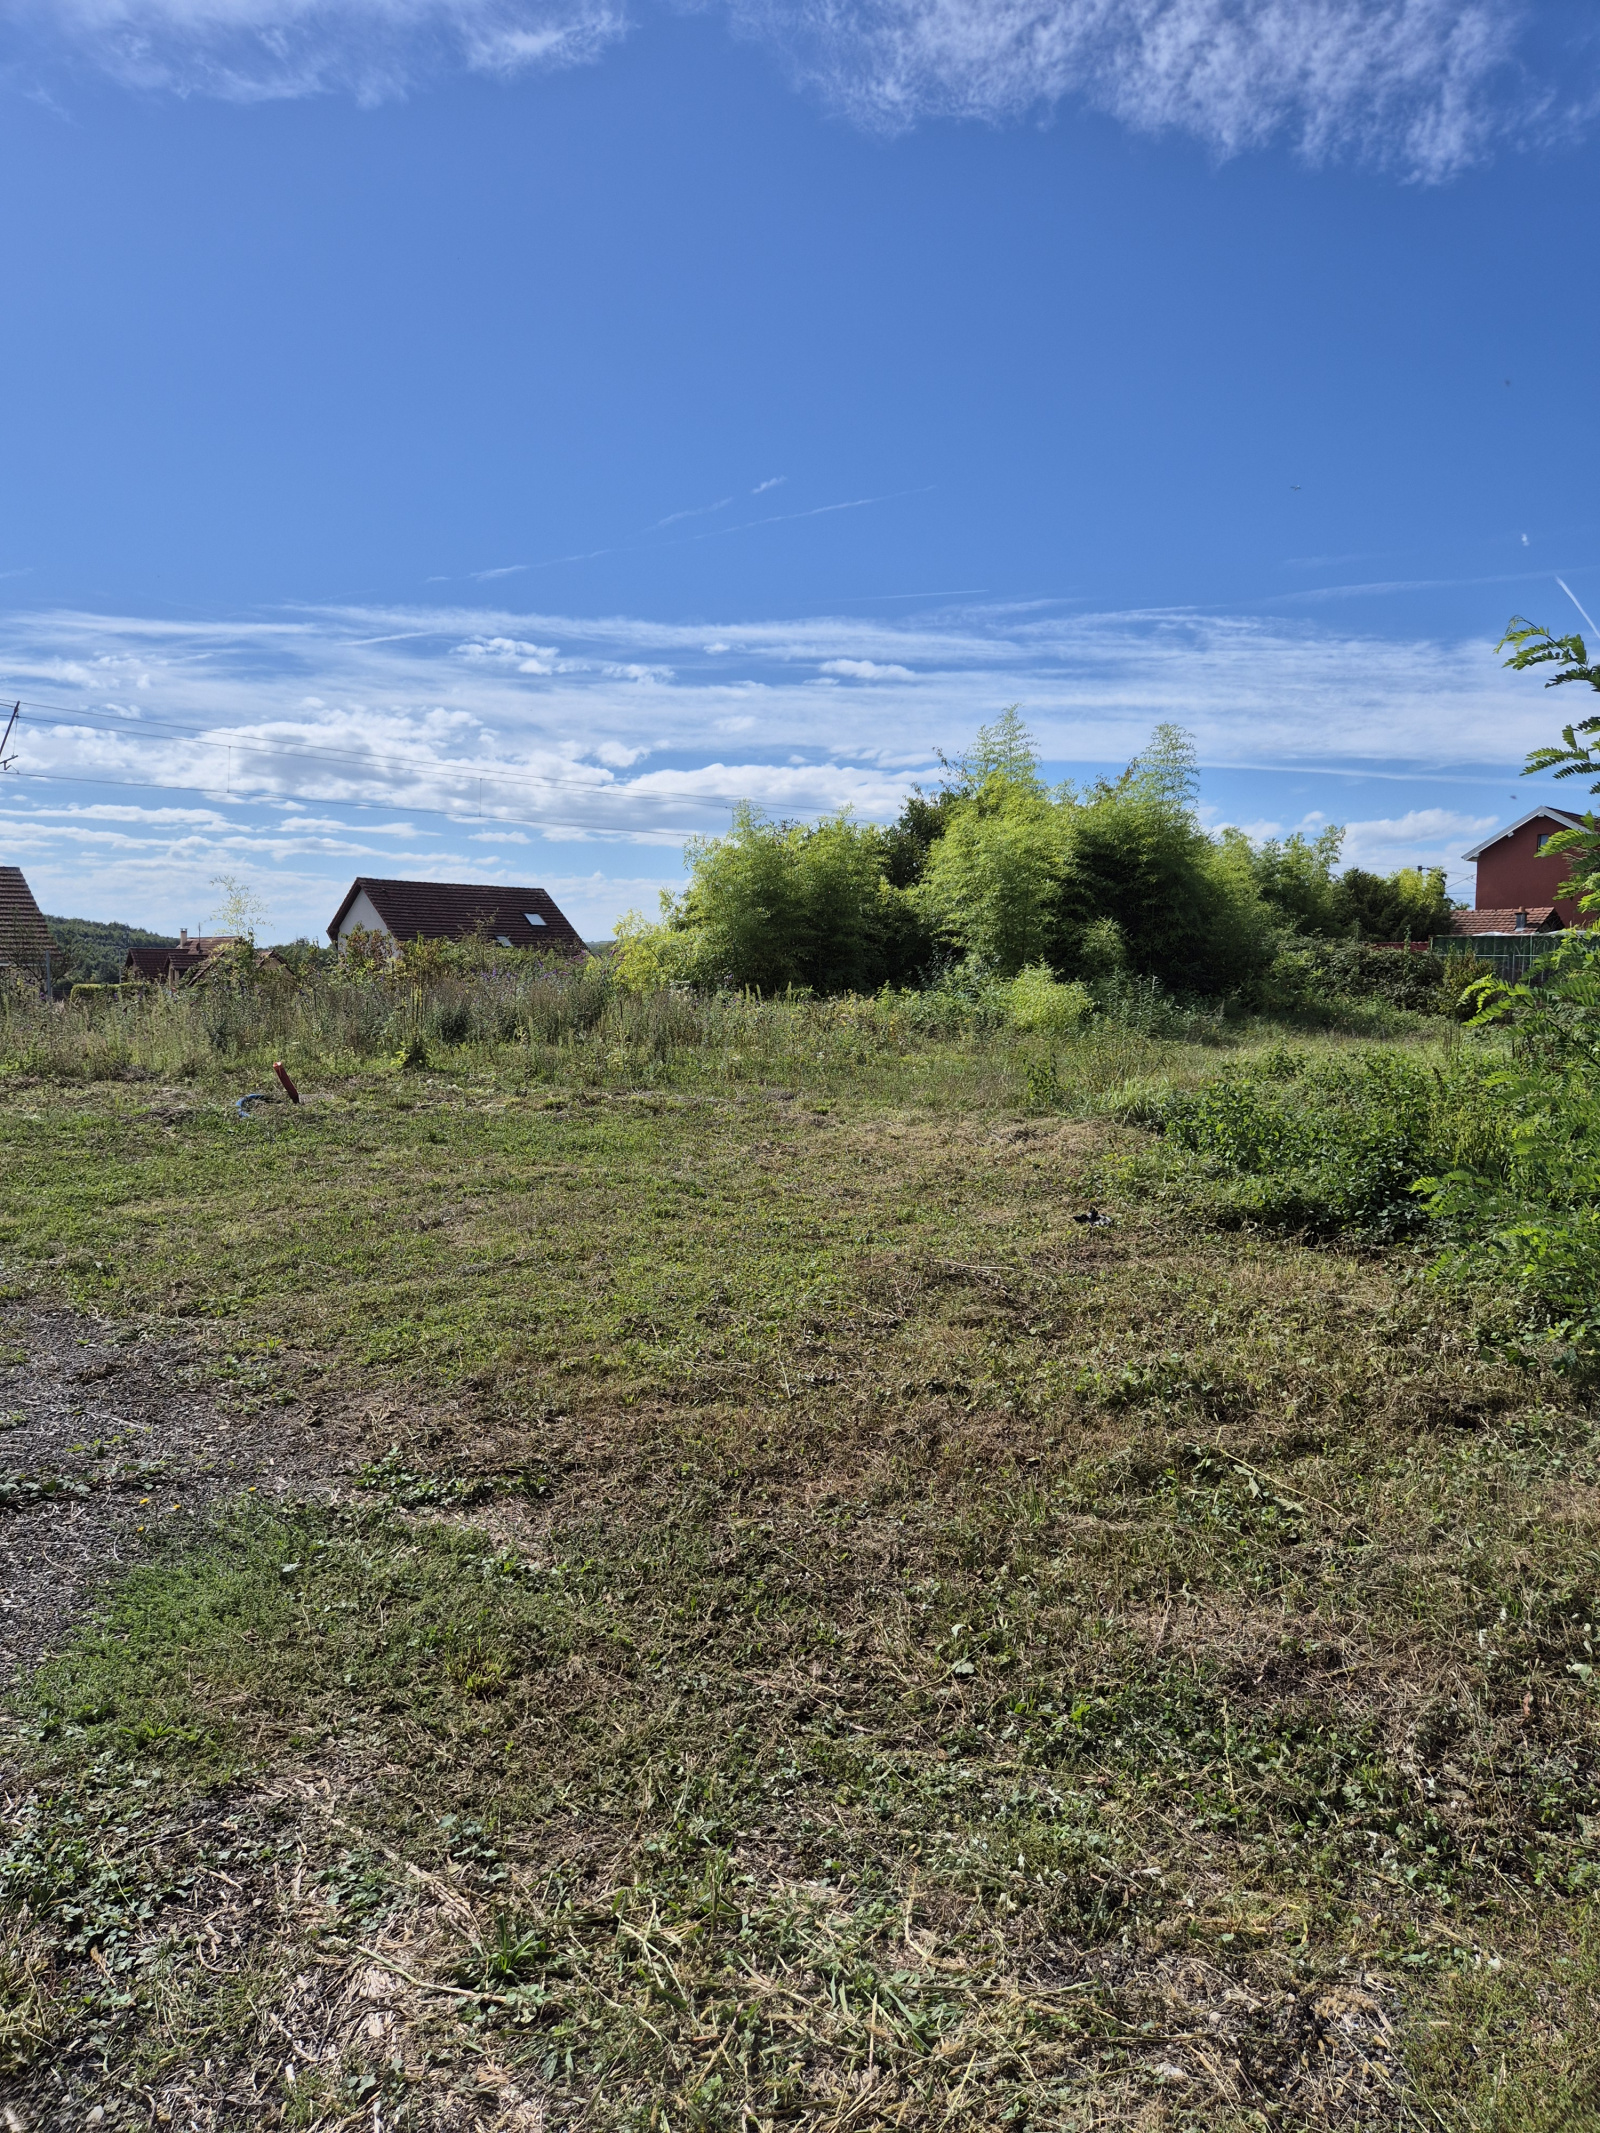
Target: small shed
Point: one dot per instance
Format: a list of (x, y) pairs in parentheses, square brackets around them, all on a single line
[(25, 942), (456, 911)]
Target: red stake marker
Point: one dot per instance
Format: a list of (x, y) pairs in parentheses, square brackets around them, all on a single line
[(289, 1088)]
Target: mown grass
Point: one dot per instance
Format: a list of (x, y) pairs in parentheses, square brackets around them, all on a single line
[(839, 1638)]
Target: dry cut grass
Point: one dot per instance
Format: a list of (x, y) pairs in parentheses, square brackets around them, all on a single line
[(838, 1623)]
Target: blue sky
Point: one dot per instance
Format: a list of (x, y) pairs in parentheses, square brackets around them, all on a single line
[(487, 440)]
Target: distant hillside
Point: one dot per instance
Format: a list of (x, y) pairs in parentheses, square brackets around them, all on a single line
[(96, 948)]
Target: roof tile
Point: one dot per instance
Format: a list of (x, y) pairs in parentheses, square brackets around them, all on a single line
[(1537, 918), (24, 936), (453, 910)]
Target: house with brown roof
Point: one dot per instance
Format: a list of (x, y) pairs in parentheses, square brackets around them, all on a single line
[(183, 958), (25, 942), (1525, 918), (455, 911)]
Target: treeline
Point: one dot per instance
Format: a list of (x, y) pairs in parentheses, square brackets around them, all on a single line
[(996, 874), (94, 950)]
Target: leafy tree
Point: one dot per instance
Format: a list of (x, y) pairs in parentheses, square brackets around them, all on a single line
[(774, 905), (1293, 875), (1574, 758), (239, 909), (1137, 856), (991, 885), (922, 821), (1410, 904), (1166, 771)]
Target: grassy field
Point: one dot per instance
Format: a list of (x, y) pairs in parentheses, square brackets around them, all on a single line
[(841, 1617)]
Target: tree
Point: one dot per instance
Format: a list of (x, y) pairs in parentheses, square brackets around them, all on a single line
[(992, 883), (1166, 771), (1004, 750), (239, 910), (909, 839), (1575, 758), (1137, 854), (774, 905), (1410, 904), (1293, 875)]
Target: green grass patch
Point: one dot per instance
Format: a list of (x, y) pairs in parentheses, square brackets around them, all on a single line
[(824, 1628)]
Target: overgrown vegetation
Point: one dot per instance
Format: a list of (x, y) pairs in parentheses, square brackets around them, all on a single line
[(882, 1579), (999, 874)]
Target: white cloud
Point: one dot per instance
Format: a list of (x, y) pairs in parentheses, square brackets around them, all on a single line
[(1425, 86), (1423, 836), (249, 50), (300, 749), (506, 651), (866, 670), (1405, 82), (380, 704)]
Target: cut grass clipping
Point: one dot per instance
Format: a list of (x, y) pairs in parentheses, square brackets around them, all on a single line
[(838, 1640)]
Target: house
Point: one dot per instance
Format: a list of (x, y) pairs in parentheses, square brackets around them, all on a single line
[(455, 911), (179, 959), (1518, 879), (25, 941), (1526, 918)]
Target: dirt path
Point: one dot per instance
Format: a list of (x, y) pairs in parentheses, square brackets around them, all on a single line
[(107, 1439)]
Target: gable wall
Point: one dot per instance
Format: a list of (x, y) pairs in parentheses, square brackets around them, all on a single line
[(363, 913), (1512, 873)]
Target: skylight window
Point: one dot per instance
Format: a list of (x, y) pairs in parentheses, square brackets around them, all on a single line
[(533, 918)]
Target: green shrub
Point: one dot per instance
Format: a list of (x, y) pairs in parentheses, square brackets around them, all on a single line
[(1038, 1001), (1326, 1150)]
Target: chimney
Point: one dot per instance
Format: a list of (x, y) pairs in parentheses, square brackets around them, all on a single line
[(183, 935)]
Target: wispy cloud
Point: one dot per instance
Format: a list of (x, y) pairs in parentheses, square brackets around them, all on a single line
[(1423, 86), (301, 748), (647, 539), (695, 511), (251, 50), (867, 670), (493, 692), (775, 481)]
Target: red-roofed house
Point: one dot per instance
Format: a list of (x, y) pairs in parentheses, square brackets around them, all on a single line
[(1518, 879), (455, 911)]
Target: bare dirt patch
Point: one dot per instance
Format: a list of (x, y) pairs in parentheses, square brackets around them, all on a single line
[(111, 1438)]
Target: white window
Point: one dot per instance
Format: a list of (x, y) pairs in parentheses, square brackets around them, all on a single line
[(533, 918), (503, 940)]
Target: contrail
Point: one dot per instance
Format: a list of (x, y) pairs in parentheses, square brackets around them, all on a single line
[(1578, 604)]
